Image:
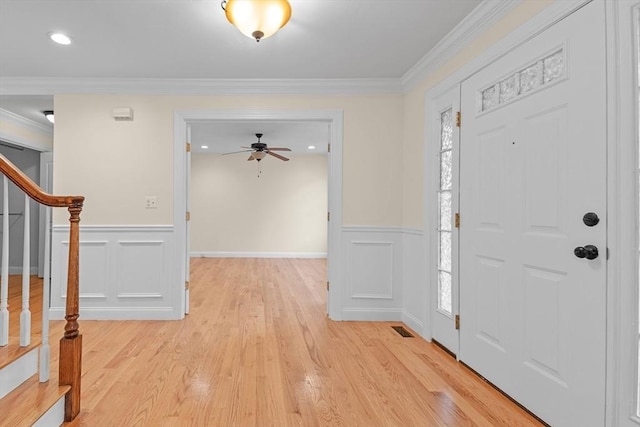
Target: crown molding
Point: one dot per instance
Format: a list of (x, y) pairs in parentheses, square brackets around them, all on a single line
[(145, 86), (8, 116), (549, 16), (479, 20)]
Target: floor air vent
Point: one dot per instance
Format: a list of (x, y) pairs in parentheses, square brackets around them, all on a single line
[(402, 331)]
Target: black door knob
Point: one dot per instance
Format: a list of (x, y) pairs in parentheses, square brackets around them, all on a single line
[(592, 252), (590, 219), (588, 252)]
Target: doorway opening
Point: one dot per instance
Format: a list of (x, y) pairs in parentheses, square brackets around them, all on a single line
[(332, 119), (37, 166), (275, 207)]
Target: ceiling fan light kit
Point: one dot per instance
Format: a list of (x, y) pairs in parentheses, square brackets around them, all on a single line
[(258, 155), (259, 150), (257, 19)]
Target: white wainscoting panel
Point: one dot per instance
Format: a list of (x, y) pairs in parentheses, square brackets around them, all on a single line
[(93, 269), (125, 273), (142, 265), (372, 273), (371, 270), (415, 292)]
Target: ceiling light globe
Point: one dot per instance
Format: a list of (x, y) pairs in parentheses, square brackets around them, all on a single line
[(49, 115), (258, 19), (60, 38)]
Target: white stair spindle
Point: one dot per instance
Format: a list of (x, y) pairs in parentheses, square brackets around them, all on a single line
[(25, 314), (45, 351), (4, 280)]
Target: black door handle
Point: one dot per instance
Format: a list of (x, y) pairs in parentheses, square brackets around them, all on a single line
[(588, 252), (590, 219)]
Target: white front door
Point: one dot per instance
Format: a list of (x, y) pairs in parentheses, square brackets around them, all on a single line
[(533, 163)]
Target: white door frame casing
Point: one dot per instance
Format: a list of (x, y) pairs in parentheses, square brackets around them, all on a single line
[(622, 22), (46, 166), (622, 185), (334, 244)]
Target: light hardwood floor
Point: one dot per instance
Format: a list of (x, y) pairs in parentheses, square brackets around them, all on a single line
[(257, 349)]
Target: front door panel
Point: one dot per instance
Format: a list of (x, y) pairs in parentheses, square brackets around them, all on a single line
[(533, 162)]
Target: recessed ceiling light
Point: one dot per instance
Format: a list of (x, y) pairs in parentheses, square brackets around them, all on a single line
[(204, 146), (60, 38), (311, 147)]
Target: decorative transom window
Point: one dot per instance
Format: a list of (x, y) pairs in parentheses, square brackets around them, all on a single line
[(445, 214), (528, 79)]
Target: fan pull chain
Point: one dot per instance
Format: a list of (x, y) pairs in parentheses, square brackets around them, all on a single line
[(259, 170)]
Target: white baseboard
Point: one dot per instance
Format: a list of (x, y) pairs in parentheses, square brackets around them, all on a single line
[(117, 313), (372, 314), (17, 270), (413, 322), (196, 254)]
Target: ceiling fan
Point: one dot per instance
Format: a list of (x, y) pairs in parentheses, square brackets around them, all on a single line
[(259, 150)]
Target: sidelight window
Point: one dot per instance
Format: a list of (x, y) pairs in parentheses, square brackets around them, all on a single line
[(445, 212)]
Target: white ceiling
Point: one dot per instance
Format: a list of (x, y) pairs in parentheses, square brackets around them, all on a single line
[(227, 137), (191, 39)]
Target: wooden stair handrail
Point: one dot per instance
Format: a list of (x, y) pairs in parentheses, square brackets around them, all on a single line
[(70, 365), (33, 190)]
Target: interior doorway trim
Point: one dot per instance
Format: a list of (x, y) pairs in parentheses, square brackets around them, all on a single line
[(334, 118)]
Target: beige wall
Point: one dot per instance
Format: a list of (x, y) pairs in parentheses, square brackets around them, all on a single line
[(414, 111), (122, 162), (116, 164), (282, 210)]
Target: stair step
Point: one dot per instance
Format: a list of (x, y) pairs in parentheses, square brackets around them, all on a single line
[(13, 351), (18, 364), (27, 403)]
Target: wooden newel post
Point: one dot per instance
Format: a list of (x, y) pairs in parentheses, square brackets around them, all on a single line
[(71, 343)]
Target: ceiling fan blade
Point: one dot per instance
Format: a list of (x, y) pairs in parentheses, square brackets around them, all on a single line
[(278, 156), (279, 149), (251, 157), (236, 152)]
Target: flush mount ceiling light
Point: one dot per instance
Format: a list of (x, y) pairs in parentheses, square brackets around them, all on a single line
[(49, 115), (257, 19), (60, 38)]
